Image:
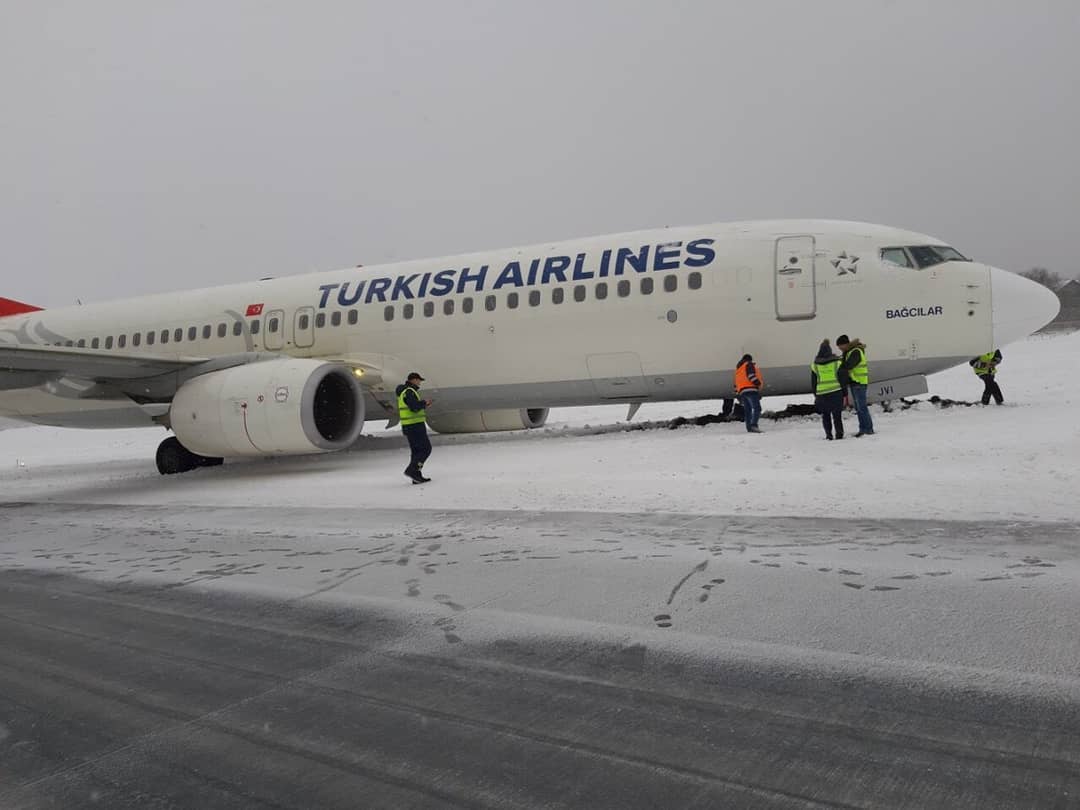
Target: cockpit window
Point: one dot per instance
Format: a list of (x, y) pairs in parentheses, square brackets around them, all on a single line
[(929, 255), (897, 256)]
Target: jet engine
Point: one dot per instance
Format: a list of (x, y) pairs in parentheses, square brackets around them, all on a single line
[(275, 407), (488, 421)]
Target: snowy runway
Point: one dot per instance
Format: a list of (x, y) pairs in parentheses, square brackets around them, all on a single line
[(577, 616)]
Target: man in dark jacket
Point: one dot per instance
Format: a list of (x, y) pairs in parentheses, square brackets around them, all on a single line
[(985, 366), (413, 420), (855, 376)]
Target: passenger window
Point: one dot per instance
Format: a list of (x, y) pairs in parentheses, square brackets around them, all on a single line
[(121, 342), (407, 311), (534, 298), (388, 313), (693, 281), (108, 342), (320, 320), (273, 325), (136, 339), (353, 316), (646, 286), (512, 300), (254, 327), (192, 332), (206, 332), (335, 319), (82, 343), (671, 283), (178, 335), (164, 336), (579, 292), (466, 305), (429, 309), (601, 290), (303, 323), (623, 288), (222, 330), (558, 295), (489, 303), (238, 328), (150, 336), (448, 306), (95, 343), (897, 256)]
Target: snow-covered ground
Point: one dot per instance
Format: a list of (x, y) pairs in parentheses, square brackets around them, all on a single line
[(950, 538), (1015, 462)]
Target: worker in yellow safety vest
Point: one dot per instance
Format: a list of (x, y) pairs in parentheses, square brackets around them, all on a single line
[(985, 366), (828, 392), (413, 418)]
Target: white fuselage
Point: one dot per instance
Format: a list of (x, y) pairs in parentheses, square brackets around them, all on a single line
[(651, 315)]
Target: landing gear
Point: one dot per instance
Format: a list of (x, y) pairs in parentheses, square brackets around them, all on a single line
[(172, 457)]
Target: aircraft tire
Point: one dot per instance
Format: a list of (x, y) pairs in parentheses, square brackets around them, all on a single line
[(172, 457)]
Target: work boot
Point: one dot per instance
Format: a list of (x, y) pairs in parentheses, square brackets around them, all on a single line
[(420, 480)]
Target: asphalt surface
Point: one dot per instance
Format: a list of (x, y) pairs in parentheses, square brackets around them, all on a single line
[(133, 696)]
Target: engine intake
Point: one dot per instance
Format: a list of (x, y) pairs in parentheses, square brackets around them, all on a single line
[(276, 407)]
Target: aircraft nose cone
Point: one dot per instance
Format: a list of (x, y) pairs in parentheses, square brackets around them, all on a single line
[(1019, 306)]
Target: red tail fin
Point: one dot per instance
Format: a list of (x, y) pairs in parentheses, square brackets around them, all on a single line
[(9, 307)]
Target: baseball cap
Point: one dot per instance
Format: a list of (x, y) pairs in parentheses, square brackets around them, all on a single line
[(415, 375)]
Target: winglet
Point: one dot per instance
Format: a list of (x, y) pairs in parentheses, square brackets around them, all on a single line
[(9, 307)]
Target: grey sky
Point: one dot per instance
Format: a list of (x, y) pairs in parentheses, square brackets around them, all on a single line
[(151, 146)]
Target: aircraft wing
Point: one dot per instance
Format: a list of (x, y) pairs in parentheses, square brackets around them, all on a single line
[(19, 363)]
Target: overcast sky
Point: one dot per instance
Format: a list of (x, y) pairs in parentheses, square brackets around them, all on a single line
[(152, 146)]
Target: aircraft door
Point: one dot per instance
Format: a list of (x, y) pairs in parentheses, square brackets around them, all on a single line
[(304, 327), (796, 294), (274, 330)]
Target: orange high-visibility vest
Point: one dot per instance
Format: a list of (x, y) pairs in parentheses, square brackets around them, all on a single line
[(743, 381)]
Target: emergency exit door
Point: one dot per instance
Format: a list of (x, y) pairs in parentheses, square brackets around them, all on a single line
[(796, 294), (304, 327)]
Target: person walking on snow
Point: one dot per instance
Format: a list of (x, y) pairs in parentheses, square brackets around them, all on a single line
[(413, 420), (748, 383)]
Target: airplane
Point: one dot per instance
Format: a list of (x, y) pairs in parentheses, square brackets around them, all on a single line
[(297, 364)]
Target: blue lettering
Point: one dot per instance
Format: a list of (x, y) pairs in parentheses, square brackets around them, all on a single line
[(477, 278), (443, 282), (511, 274), (377, 288), (605, 262), (326, 290), (344, 299), (556, 266), (667, 256), (534, 265), (580, 273), (423, 285), (700, 249), (401, 287), (639, 261)]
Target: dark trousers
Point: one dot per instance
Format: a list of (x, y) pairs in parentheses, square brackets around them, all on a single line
[(990, 389), (831, 408), (419, 444)]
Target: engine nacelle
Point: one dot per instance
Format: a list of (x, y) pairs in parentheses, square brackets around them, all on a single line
[(488, 421), (275, 407)]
